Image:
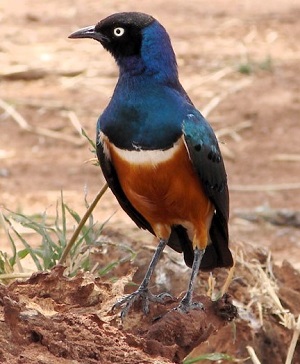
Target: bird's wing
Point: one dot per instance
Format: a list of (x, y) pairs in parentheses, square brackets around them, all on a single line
[(205, 155), (207, 160), (114, 184)]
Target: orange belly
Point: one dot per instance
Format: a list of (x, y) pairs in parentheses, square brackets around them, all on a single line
[(166, 194)]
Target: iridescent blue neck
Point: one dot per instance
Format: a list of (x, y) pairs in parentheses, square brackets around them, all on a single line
[(157, 52), (156, 58), (131, 66)]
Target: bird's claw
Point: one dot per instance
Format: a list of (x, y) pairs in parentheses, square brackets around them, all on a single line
[(186, 306), (145, 295)]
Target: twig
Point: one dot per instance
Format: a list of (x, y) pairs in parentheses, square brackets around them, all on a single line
[(37, 130), (14, 114), (211, 286), (227, 152), (214, 102), (75, 122), (233, 130), (264, 188), (270, 289), (81, 224), (215, 76), (264, 292), (287, 157), (252, 354), (228, 279), (21, 72), (42, 104), (293, 343), (281, 217), (15, 275), (56, 135), (4, 154)]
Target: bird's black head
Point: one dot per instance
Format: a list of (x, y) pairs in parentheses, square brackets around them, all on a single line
[(138, 42), (120, 34)]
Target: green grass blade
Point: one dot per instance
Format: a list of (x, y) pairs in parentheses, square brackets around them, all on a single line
[(108, 268), (77, 218), (73, 213), (4, 220), (211, 357), (92, 143), (23, 253), (64, 220), (30, 250)]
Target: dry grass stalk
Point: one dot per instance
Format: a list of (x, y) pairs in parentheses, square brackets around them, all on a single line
[(252, 355), (287, 157), (294, 341), (264, 296), (233, 130), (14, 276), (42, 104), (211, 286), (19, 119), (228, 279), (81, 224), (279, 217), (227, 153), (197, 83), (265, 188), (75, 121), (214, 102)]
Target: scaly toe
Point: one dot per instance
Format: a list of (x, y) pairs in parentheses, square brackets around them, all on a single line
[(160, 298), (146, 297), (127, 301), (188, 306)]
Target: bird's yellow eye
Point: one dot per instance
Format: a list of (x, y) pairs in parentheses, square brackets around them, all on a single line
[(118, 32)]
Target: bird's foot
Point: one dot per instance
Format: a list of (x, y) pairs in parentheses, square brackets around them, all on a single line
[(141, 293), (187, 305)]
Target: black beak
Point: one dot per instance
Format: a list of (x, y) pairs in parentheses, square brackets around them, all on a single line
[(89, 32)]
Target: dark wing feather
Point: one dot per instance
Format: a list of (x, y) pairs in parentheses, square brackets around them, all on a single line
[(207, 160), (111, 177)]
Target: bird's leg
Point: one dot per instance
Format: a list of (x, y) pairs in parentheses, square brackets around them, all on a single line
[(186, 303), (143, 292)]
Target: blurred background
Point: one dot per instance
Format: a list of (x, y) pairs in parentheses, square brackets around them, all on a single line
[(239, 62)]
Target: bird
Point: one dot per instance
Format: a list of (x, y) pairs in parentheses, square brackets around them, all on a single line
[(159, 155)]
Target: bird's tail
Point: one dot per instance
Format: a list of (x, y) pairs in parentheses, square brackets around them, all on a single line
[(217, 253)]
